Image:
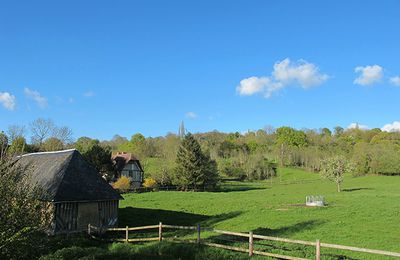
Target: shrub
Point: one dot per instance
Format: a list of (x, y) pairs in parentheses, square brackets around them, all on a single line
[(159, 250), (123, 184), (23, 218), (149, 183)]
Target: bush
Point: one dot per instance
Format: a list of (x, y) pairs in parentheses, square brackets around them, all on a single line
[(232, 169), (24, 218), (159, 250), (149, 183), (123, 184), (259, 168)]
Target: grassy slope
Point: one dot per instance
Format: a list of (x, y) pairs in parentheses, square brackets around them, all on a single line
[(366, 214)]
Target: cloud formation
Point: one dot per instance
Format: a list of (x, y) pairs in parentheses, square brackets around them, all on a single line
[(285, 73), (191, 115), (7, 100), (368, 75), (357, 126), (301, 73), (395, 80), (35, 95), (393, 127)]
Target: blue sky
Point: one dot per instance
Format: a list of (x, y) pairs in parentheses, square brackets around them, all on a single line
[(121, 67)]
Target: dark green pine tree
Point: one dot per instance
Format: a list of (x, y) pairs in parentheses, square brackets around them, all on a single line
[(194, 169)]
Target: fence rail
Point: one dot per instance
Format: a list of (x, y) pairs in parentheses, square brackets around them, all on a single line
[(250, 250)]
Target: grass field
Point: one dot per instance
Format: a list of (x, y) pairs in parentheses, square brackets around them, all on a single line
[(365, 214)]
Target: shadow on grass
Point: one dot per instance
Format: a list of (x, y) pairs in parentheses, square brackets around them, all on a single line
[(273, 246), (132, 217), (238, 186), (356, 189), (289, 230)]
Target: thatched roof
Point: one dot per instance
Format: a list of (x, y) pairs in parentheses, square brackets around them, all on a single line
[(66, 176)]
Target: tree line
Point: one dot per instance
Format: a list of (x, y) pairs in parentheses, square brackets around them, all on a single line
[(253, 155)]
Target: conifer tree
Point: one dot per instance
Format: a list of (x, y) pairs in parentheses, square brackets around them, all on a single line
[(194, 168)]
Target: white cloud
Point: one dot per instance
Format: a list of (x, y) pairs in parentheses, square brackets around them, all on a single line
[(357, 126), (7, 100), (35, 95), (395, 80), (285, 73), (89, 94), (254, 85), (368, 75), (393, 127), (191, 115), (301, 73)]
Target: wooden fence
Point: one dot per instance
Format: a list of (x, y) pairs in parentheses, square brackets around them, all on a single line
[(251, 237)]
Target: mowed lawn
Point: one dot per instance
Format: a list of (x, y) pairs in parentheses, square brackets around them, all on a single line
[(365, 214)]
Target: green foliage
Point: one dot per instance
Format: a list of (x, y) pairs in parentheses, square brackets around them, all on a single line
[(380, 158), (18, 146), (160, 169), (231, 168), (140, 146), (334, 168), (286, 146), (193, 168), (97, 155), (155, 250), (52, 144), (291, 137), (3, 144), (84, 144), (338, 131), (259, 168), (23, 217)]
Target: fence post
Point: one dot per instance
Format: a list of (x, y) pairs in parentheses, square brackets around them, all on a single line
[(251, 245), (127, 234), (160, 232), (318, 250), (88, 229), (198, 233)]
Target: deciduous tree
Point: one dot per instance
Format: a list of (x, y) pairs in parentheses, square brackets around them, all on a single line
[(334, 168)]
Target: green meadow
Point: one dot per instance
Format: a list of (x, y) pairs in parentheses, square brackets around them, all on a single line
[(365, 214)]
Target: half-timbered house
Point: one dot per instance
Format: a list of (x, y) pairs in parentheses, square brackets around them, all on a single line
[(126, 164), (76, 192)]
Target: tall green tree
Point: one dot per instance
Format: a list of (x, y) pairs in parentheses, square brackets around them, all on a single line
[(286, 138), (97, 155), (193, 167)]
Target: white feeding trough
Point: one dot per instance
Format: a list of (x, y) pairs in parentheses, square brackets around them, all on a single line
[(315, 201)]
